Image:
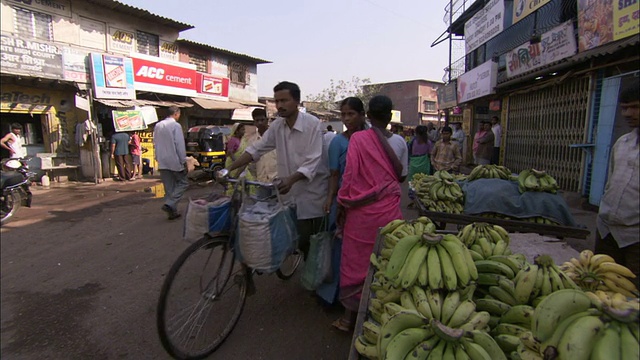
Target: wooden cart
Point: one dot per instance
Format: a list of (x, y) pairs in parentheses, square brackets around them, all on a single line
[(442, 219)]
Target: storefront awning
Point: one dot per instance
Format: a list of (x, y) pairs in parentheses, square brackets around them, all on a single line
[(249, 103), (209, 104), (132, 103)]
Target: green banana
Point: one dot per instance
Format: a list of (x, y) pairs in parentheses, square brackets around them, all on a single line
[(494, 307), (494, 235), (488, 344), (399, 255), (509, 329), (456, 250), (461, 353), (449, 306), (495, 267), (550, 345), (525, 284), (422, 350), (500, 248), (446, 333), (392, 308), (504, 234), (518, 315), (530, 341), (449, 276), (371, 332), (413, 264), (556, 307), (438, 350), (449, 352), (502, 295), (489, 279), (579, 338), (507, 285), (477, 321), (400, 321), (406, 301), (391, 226), (531, 183), (434, 269), (462, 314), (423, 274), (628, 343), (508, 343), (421, 302), (434, 298), (484, 243), (476, 256), (547, 288), (365, 349), (608, 345), (405, 341), (475, 351), (471, 265), (556, 282)]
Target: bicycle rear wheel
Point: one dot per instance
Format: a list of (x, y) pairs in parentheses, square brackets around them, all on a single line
[(201, 299)]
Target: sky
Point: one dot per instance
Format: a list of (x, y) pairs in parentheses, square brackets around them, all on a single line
[(312, 42)]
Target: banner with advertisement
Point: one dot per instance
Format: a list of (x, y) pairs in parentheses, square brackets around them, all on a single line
[(74, 62), (554, 45), (112, 77), (478, 82), (601, 22), (524, 8), (162, 76), (21, 56), (128, 120), (214, 87), (484, 25), (447, 96)]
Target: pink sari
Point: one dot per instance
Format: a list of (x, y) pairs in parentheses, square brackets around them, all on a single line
[(370, 193)]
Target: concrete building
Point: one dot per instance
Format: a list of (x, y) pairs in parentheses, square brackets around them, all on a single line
[(415, 99)]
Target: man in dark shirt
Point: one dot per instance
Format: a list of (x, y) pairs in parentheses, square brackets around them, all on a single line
[(120, 153)]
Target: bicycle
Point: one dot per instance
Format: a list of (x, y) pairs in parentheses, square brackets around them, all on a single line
[(213, 276)]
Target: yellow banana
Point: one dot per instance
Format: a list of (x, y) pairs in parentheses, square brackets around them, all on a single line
[(598, 259), (585, 258), (614, 268)]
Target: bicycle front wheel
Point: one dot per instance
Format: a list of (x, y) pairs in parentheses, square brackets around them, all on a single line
[(289, 265), (201, 299)]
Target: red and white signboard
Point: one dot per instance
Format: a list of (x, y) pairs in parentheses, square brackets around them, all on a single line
[(164, 76), (213, 87)]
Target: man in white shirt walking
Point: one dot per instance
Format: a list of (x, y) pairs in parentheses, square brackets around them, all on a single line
[(14, 142), (298, 140), (171, 155), (497, 139)]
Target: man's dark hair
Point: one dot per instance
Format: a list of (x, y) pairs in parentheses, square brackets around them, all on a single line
[(380, 107), (173, 110), (630, 93), (16, 126), (329, 128), (447, 129), (258, 112), (294, 89)]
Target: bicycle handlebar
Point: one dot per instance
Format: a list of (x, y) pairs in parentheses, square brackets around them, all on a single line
[(223, 176)]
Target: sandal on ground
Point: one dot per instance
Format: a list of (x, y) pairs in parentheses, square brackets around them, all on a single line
[(342, 324)]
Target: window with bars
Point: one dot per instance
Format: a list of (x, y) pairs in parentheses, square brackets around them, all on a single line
[(238, 73), (147, 43), (33, 24), (200, 61), (428, 106)]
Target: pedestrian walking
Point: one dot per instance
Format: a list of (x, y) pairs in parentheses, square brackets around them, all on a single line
[(14, 142), (483, 144), (303, 175), (267, 165), (171, 155), (120, 153), (497, 139), (328, 136), (136, 155), (419, 152), (619, 214)]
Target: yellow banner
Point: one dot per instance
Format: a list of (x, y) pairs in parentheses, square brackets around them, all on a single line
[(625, 18), (522, 8)]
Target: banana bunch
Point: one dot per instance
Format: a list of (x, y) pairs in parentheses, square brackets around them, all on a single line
[(616, 305), (528, 349), (441, 196), (538, 280), (495, 278), (540, 220), (513, 325), (396, 230), (535, 180), (430, 260), (474, 231), (418, 177), (600, 272), (489, 172), (492, 215)]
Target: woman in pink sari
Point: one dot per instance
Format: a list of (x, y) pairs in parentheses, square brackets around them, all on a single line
[(369, 198)]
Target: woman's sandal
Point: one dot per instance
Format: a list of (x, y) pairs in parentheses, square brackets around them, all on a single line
[(342, 324)]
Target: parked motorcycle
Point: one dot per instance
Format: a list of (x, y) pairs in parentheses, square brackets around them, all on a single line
[(15, 180)]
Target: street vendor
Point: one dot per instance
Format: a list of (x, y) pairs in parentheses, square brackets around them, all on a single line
[(446, 154), (619, 215)]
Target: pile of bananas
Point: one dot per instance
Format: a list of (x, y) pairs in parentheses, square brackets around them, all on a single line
[(616, 305), (489, 172), (536, 281), (512, 326), (474, 231), (439, 192), (600, 272), (568, 327), (535, 180), (534, 219)]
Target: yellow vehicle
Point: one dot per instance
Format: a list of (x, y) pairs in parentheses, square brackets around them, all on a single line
[(206, 143)]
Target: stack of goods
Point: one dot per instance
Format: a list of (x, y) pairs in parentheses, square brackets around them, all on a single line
[(467, 297), (489, 172), (535, 180), (439, 193)]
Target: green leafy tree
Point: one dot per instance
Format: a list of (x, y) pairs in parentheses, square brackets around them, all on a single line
[(329, 98)]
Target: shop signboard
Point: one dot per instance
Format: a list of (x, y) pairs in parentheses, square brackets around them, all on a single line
[(601, 22), (523, 8), (128, 120), (169, 50), (164, 77), (112, 77), (478, 82), (396, 115), (484, 25), (29, 57), (214, 87), (58, 7), (447, 96), (121, 40), (554, 45), (74, 63)]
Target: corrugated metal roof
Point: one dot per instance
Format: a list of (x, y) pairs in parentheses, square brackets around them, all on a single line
[(210, 104), (224, 51), (607, 49), (132, 103), (141, 13)]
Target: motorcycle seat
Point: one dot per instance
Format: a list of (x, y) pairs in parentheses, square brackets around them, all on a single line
[(10, 178)]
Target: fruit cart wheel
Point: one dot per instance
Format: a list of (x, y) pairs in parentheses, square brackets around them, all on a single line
[(289, 265), (201, 299)]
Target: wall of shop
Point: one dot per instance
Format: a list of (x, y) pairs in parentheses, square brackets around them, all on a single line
[(61, 116)]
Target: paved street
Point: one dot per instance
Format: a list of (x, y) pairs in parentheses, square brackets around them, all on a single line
[(82, 271)]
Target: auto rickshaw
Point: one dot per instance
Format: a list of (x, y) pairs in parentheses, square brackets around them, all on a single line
[(206, 144)]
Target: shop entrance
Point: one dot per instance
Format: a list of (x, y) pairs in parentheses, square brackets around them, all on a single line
[(31, 130)]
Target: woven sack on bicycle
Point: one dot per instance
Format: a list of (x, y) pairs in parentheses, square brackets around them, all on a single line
[(212, 214), (266, 233)]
